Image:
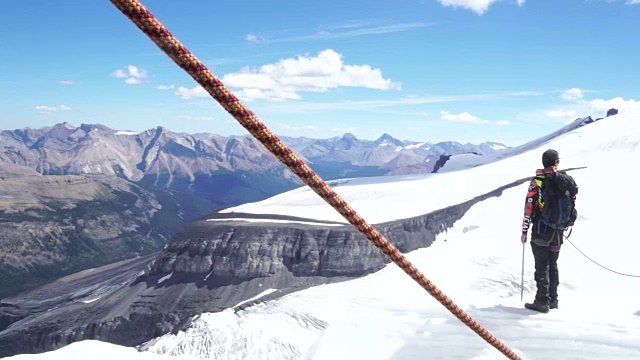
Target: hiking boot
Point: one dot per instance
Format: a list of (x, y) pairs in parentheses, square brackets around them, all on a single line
[(543, 308), (553, 304)]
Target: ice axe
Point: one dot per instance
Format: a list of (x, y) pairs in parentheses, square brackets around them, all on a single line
[(522, 276)]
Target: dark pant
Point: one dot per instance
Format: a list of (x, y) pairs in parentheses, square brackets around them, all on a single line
[(546, 274)]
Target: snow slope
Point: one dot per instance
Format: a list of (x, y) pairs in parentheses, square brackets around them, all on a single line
[(387, 316), (436, 191)]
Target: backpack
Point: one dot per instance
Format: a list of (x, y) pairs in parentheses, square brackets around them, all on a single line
[(557, 197)]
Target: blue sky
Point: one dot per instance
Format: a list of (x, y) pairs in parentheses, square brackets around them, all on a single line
[(423, 70)]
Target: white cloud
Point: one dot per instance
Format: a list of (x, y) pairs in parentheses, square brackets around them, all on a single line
[(462, 117), (66, 82), (252, 38), (572, 94), (285, 79), (477, 6), (191, 93), (132, 74), (120, 74), (50, 109), (376, 105), (601, 106), (137, 72), (633, 2), (165, 87), (521, 2), (355, 29), (503, 123), (561, 113), (133, 81)]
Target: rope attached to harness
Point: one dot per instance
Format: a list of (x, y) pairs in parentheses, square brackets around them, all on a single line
[(595, 262), (157, 32)]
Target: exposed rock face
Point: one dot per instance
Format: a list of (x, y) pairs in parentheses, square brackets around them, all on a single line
[(440, 163), (191, 163), (210, 266)]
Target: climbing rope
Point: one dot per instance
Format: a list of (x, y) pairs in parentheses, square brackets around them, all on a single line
[(157, 32), (595, 262)]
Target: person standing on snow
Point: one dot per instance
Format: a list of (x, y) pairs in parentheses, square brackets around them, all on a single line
[(546, 240)]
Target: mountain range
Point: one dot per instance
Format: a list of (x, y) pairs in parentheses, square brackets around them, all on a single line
[(72, 198), (199, 162)]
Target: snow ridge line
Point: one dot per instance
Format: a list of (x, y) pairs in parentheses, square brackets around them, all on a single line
[(160, 35)]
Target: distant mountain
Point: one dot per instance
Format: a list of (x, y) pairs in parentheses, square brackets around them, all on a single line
[(224, 170), (348, 156), (217, 168), (78, 197)]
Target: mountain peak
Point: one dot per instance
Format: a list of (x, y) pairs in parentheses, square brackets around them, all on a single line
[(349, 136), (59, 131), (94, 127), (388, 139), (386, 136)]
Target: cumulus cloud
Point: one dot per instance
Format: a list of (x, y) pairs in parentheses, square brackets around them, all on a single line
[(477, 6), (191, 93), (521, 2), (66, 82), (503, 123), (137, 72), (52, 109), (561, 113), (572, 94), (133, 81), (165, 87), (120, 74), (285, 79), (132, 74), (633, 2), (462, 117), (600, 106)]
